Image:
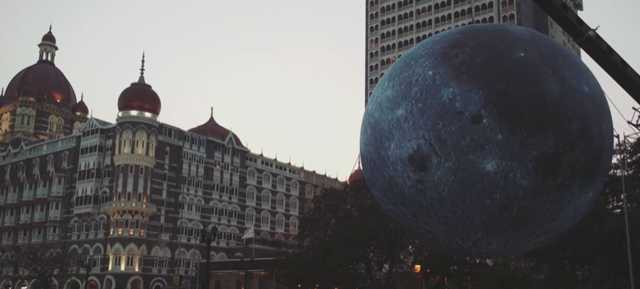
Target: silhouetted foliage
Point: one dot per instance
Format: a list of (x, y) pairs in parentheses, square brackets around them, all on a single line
[(40, 264), (348, 242)]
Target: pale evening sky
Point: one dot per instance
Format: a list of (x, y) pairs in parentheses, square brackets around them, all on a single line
[(287, 76)]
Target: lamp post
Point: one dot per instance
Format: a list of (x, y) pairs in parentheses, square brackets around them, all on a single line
[(207, 237), (86, 265)]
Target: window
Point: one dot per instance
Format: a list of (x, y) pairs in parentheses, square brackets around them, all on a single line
[(266, 179), (280, 223), (293, 205), (293, 225), (251, 175), (266, 199), (251, 195), (249, 217), (265, 219), (280, 200)]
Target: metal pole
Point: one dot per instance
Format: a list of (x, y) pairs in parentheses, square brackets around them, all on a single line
[(246, 269), (626, 213), (206, 274), (86, 272)]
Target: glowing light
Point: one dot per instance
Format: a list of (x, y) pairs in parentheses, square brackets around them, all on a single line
[(57, 97), (417, 268)]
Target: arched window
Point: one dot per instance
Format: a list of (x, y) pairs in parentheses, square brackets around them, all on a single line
[(249, 217), (293, 205), (280, 183), (116, 260), (265, 219), (280, 223), (265, 199), (141, 142), (152, 146), (250, 195), (126, 141), (280, 200), (251, 175), (293, 225), (266, 179), (294, 188)]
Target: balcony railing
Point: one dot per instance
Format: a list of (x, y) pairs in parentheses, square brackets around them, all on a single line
[(143, 207)]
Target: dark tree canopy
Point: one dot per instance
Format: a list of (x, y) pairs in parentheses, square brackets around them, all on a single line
[(348, 242)]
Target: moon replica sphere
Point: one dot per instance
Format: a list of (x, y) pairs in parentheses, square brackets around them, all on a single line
[(489, 139)]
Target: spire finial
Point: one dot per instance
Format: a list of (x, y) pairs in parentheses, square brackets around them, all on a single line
[(82, 96), (50, 27), (141, 78), (2, 92), (212, 112)]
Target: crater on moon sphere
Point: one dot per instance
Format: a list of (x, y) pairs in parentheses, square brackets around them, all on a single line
[(518, 140)]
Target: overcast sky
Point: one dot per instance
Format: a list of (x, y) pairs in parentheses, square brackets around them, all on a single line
[(287, 76)]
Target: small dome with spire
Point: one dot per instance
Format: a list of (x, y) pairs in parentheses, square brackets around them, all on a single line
[(212, 129), (356, 179), (80, 108), (139, 96), (48, 37)]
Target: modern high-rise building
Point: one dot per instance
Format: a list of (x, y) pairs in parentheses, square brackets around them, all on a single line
[(395, 26), (135, 203)]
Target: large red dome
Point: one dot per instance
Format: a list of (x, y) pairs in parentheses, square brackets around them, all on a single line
[(42, 81), (141, 97)]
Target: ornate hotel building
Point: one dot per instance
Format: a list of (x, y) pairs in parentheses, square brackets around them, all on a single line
[(395, 26), (133, 197)]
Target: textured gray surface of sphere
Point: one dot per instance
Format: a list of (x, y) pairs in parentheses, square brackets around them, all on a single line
[(488, 139)]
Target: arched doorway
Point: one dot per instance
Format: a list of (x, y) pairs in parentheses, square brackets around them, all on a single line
[(72, 283), (135, 283)]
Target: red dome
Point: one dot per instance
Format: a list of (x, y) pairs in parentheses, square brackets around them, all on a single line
[(80, 108), (42, 81), (141, 97), (356, 178), (213, 130)]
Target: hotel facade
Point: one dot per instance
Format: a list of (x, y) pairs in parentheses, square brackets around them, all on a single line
[(126, 203)]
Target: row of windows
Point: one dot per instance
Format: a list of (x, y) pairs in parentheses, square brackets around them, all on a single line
[(35, 165), (266, 180), (26, 210), (30, 235), (142, 144), (391, 48), (485, 7)]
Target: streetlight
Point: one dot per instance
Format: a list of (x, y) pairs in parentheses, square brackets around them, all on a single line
[(207, 237), (86, 265)]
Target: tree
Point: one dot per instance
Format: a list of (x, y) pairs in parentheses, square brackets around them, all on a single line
[(40, 263), (347, 242)]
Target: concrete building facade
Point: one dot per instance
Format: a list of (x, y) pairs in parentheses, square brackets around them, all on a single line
[(396, 26)]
